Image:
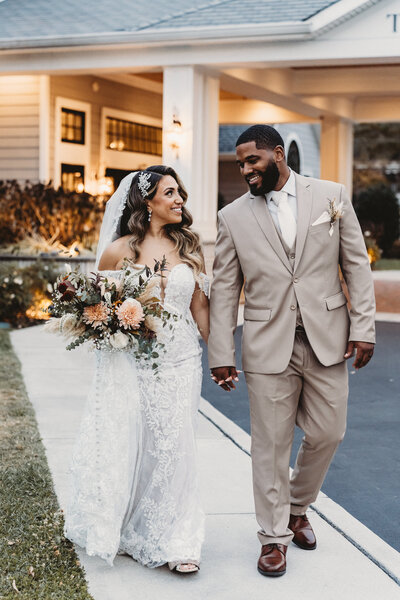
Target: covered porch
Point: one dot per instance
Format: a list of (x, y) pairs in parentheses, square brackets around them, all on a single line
[(335, 68)]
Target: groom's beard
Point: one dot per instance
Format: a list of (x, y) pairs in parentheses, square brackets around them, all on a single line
[(269, 179)]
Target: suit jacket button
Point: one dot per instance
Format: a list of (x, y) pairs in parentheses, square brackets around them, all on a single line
[(292, 256), (295, 280), (293, 307)]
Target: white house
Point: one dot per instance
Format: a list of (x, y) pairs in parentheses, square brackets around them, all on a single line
[(89, 90)]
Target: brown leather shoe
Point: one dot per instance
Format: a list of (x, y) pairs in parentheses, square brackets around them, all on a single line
[(272, 561), (304, 536)]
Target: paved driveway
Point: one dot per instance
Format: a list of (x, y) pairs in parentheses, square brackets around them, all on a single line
[(364, 477)]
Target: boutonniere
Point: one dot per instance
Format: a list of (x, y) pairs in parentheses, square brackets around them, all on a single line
[(334, 212)]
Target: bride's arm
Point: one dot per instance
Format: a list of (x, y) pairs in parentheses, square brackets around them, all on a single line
[(110, 258), (200, 312)]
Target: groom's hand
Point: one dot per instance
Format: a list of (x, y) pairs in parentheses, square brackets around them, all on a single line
[(224, 377), (364, 352)]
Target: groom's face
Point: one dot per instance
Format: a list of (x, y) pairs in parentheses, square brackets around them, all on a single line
[(258, 166)]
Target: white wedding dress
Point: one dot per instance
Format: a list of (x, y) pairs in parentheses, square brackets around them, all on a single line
[(134, 469)]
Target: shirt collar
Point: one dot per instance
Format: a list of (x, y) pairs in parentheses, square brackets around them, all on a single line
[(289, 187)]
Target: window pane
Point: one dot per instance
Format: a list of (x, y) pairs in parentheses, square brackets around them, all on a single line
[(72, 177), (127, 136), (72, 126)]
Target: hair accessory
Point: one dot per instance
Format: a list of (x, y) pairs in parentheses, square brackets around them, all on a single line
[(144, 183)]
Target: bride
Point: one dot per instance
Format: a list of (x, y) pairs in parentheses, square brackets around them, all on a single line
[(134, 470)]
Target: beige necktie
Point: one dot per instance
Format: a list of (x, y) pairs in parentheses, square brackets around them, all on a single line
[(286, 219)]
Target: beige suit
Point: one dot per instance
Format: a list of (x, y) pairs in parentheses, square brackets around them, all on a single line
[(291, 377)]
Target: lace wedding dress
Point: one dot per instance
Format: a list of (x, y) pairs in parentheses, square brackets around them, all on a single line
[(134, 467)]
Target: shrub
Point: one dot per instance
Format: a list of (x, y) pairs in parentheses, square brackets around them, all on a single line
[(378, 212), (20, 287), (38, 209)]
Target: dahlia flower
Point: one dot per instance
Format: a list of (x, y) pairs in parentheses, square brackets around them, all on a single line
[(130, 314), (96, 315)]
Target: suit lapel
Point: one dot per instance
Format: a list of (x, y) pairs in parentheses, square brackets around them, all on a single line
[(304, 207), (260, 210)]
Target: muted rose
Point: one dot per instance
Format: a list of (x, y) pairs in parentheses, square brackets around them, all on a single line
[(67, 290), (119, 340), (153, 323)]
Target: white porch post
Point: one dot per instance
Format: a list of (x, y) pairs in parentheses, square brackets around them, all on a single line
[(44, 129), (337, 151), (193, 98)]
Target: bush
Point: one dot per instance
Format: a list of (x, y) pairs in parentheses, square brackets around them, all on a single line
[(20, 286), (38, 209), (374, 252), (378, 212)]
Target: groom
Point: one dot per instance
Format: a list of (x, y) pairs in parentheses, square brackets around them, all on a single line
[(286, 239)]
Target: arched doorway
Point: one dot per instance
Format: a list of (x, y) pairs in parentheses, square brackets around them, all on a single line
[(293, 157)]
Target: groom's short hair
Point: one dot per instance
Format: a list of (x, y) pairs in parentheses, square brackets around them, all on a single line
[(264, 136)]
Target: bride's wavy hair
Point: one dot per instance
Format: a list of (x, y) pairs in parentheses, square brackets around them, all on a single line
[(135, 222)]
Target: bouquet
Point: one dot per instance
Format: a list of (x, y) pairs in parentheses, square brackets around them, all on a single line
[(114, 314)]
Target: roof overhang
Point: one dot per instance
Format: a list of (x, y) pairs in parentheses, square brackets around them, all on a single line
[(320, 23)]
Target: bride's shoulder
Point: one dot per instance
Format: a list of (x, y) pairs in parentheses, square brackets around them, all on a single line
[(115, 253)]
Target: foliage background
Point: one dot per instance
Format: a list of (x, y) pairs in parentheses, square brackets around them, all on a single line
[(38, 209)]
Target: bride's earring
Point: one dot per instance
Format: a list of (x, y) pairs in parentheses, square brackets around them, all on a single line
[(149, 211)]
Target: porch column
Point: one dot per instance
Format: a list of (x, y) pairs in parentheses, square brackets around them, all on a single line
[(192, 98), (337, 151)]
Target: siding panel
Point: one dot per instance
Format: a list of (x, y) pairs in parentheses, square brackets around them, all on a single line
[(19, 127), (110, 94)]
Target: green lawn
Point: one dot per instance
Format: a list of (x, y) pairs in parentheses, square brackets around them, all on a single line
[(37, 562), (387, 264)]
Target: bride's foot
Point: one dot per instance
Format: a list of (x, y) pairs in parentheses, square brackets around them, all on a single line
[(184, 567)]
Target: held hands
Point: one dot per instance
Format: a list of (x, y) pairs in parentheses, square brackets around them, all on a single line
[(225, 376), (364, 353)]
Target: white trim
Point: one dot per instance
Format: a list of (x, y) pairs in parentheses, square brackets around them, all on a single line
[(338, 13), (44, 128), (135, 81), (64, 152), (157, 37), (293, 137), (128, 161)]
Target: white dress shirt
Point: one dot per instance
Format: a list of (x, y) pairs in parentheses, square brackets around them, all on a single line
[(290, 189)]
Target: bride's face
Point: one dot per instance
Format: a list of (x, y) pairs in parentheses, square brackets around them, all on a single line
[(167, 204)]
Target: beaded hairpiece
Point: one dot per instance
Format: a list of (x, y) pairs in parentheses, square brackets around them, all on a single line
[(144, 183)]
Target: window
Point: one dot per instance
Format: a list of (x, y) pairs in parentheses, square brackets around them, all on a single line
[(72, 178), (127, 136), (293, 157), (72, 126), (116, 175)]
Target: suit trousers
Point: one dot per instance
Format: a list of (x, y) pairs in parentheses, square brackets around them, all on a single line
[(315, 398)]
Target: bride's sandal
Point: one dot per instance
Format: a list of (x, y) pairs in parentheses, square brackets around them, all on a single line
[(190, 566)]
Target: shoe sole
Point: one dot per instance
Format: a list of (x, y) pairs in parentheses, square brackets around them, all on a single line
[(271, 573), (304, 547)]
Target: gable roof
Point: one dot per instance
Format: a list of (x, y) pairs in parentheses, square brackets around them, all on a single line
[(27, 19), (37, 18), (29, 24), (223, 12)]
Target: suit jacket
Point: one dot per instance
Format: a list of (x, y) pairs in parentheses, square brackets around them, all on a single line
[(248, 249)]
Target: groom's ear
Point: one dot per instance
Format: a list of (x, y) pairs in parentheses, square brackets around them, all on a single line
[(279, 154)]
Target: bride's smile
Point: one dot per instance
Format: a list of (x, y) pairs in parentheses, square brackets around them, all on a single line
[(166, 206)]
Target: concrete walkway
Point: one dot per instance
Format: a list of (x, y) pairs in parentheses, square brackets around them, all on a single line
[(344, 566)]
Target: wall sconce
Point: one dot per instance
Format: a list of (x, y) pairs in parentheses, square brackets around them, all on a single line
[(175, 135), (117, 145), (105, 186)]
